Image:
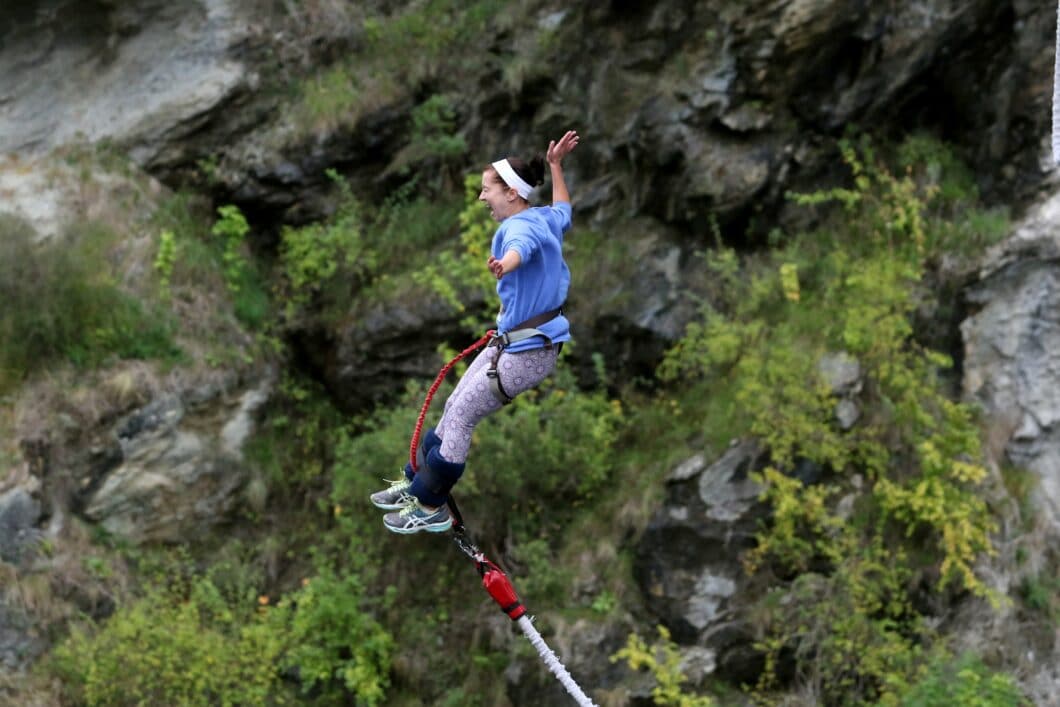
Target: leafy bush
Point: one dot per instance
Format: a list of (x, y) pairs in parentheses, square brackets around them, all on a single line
[(965, 682), (62, 302), (312, 255), (328, 98), (360, 248), (164, 261), (552, 447), (250, 300), (433, 129), (338, 648), (168, 648), (663, 660), (850, 287), (453, 276)]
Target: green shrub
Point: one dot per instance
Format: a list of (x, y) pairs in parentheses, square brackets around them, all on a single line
[(410, 226), (62, 302), (433, 129), (850, 287), (165, 260), (663, 660), (461, 276), (542, 580), (961, 682), (314, 255), (328, 98), (338, 648), (168, 648), (551, 448), (250, 301)]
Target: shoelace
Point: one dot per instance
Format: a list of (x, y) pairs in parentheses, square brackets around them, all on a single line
[(411, 509)]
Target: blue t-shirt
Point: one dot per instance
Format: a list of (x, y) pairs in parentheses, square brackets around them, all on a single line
[(541, 281)]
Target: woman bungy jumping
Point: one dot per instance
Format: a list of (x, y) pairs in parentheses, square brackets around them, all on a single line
[(526, 257)]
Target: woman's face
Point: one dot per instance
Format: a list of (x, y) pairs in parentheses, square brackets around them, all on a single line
[(498, 196)]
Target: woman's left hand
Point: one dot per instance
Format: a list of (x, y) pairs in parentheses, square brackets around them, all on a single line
[(505, 265), (495, 267)]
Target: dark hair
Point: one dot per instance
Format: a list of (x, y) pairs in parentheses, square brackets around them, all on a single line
[(532, 172)]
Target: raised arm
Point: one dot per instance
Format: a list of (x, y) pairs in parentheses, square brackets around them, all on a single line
[(557, 150)]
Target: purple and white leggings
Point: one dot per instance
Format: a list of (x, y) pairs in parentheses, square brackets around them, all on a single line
[(473, 398)]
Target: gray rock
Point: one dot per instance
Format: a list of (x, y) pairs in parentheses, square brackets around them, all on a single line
[(687, 562), (847, 413), (144, 75), (19, 514), (20, 643), (841, 372), (1012, 352), (179, 470)]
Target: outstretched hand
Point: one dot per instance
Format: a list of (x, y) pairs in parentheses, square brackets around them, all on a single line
[(557, 150), (495, 267)]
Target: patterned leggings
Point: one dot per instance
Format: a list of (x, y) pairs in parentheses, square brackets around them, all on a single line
[(473, 398)]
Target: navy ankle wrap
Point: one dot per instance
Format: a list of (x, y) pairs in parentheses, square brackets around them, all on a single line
[(435, 479), (429, 441)]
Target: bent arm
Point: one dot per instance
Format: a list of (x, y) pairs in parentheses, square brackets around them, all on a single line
[(505, 265)]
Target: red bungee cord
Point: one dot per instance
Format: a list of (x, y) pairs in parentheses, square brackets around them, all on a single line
[(434, 388)]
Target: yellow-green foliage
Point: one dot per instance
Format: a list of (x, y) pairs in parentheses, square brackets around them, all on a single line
[(164, 260), (250, 301), (554, 445), (214, 640), (169, 649), (963, 681), (337, 647), (663, 661), (361, 248), (453, 276), (232, 228), (434, 131), (327, 99), (849, 287), (312, 255)]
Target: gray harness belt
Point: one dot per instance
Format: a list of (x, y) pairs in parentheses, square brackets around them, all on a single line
[(520, 332)]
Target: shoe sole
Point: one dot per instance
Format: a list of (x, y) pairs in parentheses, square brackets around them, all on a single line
[(389, 506), (422, 528), (404, 501)]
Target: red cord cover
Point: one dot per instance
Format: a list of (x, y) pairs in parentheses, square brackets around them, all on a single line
[(434, 388), (502, 591)]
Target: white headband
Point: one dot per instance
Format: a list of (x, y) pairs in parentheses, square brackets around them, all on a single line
[(512, 179)]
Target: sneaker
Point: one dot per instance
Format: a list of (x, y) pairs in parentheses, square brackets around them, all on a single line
[(394, 498), (414, 518)]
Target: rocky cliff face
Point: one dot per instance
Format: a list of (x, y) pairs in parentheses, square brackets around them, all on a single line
[(691, 111), (1010, 340)]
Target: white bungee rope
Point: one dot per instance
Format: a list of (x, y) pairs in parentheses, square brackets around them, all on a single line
[(552, 662), (500, 589), (1056, 92)]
